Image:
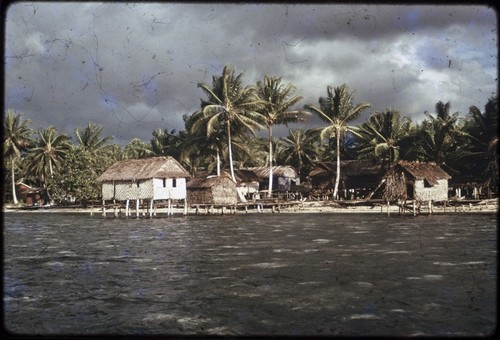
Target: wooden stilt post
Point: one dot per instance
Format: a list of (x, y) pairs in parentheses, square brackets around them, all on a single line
[(151, 208), (137, 208), (414, 208), (185, 207), (430, 207), (103, 208), (388, 212), (169, 209), (127, 207)]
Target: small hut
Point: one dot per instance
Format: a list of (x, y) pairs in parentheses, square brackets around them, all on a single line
[(422, 182), (156, 178), (285, 177), (357, 177), (247, 183), (216, 190)]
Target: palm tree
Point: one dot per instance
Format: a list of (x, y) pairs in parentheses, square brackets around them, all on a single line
[(137, 149), (249, 151), (438, 137), (48, 153), (17, 138), (165, 143), (298, 149), (231, 105), (277, 101), (202, 144), (384, 135), (482, 139), (337, 109), (90, 138)]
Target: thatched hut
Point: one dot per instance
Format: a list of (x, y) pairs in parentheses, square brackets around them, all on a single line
[(422, 182), (216, 190), (284, 177), (156, 178), (357, 177), (247, 182)]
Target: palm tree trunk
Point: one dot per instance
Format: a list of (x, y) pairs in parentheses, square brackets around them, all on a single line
[(14, 196), (337, 177), (218, 162), (270, 189), (230, 151)]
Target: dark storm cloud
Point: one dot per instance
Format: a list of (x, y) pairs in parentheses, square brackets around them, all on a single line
[(134, 68)]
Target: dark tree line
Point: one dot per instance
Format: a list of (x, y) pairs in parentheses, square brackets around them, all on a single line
[(222, 134)]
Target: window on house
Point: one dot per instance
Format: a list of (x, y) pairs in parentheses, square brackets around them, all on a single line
[(137, 183), (164, 182), (174, 182)]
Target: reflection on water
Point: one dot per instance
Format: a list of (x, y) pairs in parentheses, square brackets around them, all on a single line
[(271, 274)]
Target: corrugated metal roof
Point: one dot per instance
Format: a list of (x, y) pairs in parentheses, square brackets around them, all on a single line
[(145, 168)]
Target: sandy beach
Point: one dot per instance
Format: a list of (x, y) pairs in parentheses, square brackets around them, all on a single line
[(485, 206)]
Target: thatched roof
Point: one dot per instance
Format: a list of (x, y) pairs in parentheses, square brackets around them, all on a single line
[(430, 172), (205, 183), (347, 168), (245, 176), (145, 168), (278, 171), (212, 190)]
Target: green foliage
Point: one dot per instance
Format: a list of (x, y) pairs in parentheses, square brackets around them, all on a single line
[(78, 180), (227, 122), (385, 136)]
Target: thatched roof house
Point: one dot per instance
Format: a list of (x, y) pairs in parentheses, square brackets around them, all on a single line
[(247, 181), (284, 177), (415, 180), (148, 178), (217, 190), (354, 174)]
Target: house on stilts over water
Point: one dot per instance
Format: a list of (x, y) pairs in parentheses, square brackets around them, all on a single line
[(149, 179), (214, 192), (419, 182)]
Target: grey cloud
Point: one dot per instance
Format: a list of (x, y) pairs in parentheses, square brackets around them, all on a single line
[(134, 68)]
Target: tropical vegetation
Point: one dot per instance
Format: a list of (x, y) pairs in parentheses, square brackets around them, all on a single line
[(234, 128)]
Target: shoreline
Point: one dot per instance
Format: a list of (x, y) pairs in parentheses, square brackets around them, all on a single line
[(305, 207)]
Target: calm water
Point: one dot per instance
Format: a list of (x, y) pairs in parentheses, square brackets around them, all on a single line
[(256, 274)]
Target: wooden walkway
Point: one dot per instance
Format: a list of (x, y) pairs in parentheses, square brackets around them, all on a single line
[(145, 209)]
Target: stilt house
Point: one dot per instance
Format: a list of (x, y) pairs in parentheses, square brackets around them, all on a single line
[(216, 190), (357, 177), (416, 181), (156, 178), (247, 182), (284, 177)]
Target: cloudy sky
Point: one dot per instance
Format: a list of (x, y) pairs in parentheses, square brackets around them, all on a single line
[(134, 67)]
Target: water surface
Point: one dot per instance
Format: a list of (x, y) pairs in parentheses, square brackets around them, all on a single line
[(255, 274)]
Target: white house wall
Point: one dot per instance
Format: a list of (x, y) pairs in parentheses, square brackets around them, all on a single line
[(169, 192), (148, 189)]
